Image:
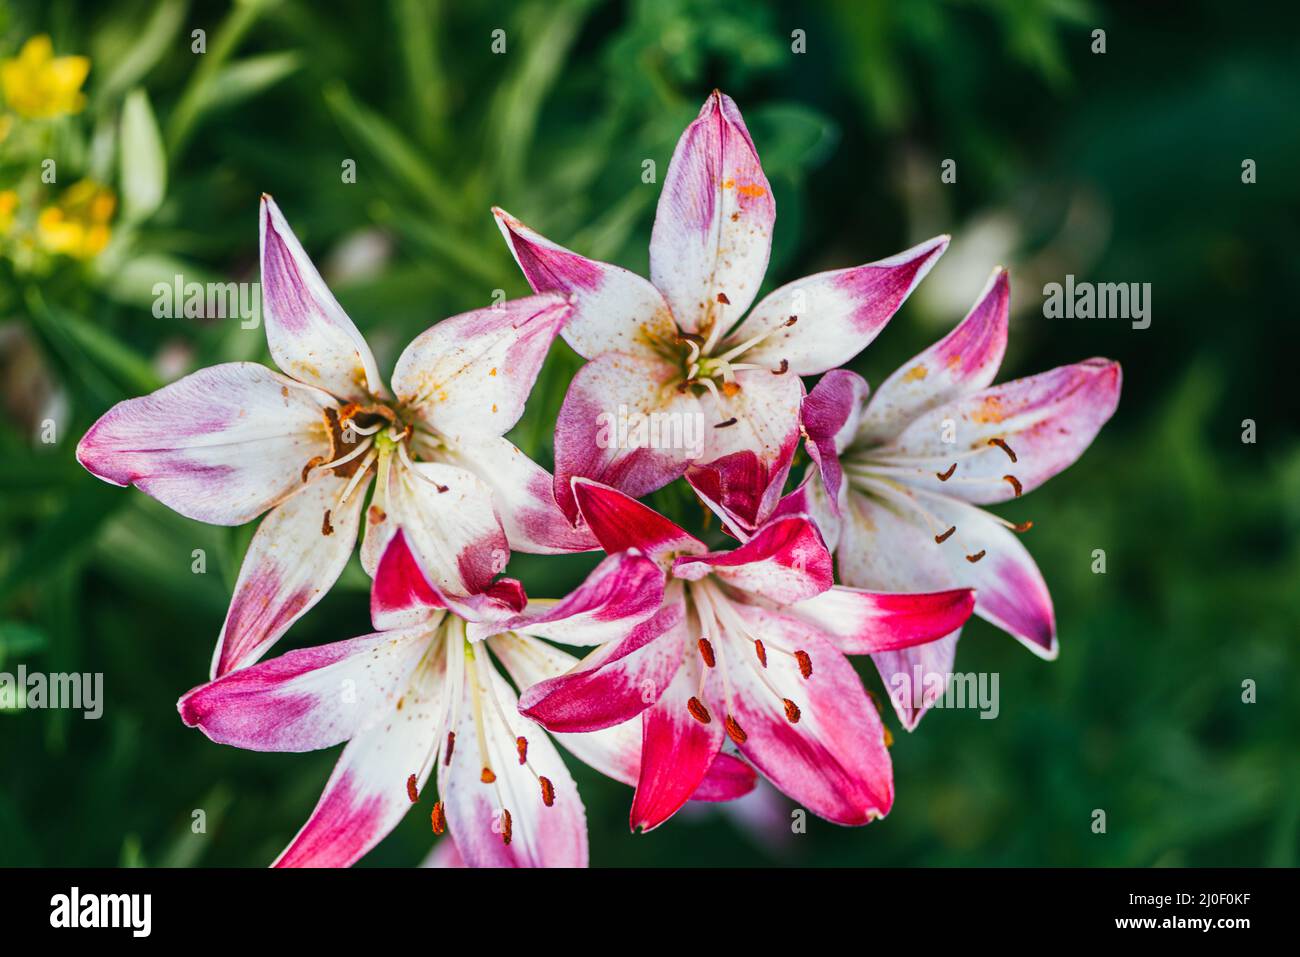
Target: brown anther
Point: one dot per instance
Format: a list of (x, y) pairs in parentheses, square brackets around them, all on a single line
[(451, 746), (1004, 447), (521, 745), (944, 476), (376, 514), (805, 663), (1022, 527), (441, 488), (730, 422), (940, 539), (325, 527), (722, 298), (698, 711), (487, 777), (792, 711), (706, 652), (312, 462), (548, 790), (684, 385), (411, 791), (760, 651), (506, 832), (1015, 484), (734, 730), (792, 320), (976, 557), (438, 819), (783, 368)]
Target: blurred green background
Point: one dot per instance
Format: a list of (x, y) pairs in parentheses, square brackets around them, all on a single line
[(1124, 166)]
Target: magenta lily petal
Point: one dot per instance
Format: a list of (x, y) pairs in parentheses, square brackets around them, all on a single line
[(449, 522), (860, 622), (1029, 429), (297, 554), (612, 387), (622, 591), (899, 671), (785, 562), (833, 760), (477, 803), (222, 445), (962, 362), (830, 419), (713, 229), (837, 314), (677, 752), (615, 683), (311, 337), (615, 310), (524, 496), (620, 522), (470, 375)]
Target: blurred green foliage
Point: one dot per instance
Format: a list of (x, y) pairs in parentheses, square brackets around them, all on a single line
[(1122, 166)]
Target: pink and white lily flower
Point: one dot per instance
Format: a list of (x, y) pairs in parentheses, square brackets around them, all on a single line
[(748, 645), (230, 442), (426, 690), (675, 347), (898, 479)]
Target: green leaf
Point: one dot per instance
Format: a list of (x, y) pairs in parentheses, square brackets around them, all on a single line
[(142, 162), (144, 53), (245, 79), (17, 638)]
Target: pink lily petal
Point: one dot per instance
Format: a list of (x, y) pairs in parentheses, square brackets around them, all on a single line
[(615, 310), (222, 445), (614, 751), (837, 313), (306, 699), (624, 590), (615, 388), (859, 622), (620, 522), (616, 682), (299, 551), (677, 751), (471, 374), (713, 229), (810, 500), (962, 362), (311, 337), (830, 419), (900, 669), (524, 496), (785, 562), (833, 760), (449, 522), (444, 855), (1045, 421), (539, 836)]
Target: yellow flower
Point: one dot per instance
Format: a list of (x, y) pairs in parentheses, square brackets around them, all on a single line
[(39, 85), (8, 203), (77, 225)]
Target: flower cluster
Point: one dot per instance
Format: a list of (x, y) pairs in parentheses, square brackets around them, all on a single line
[(703, 666)]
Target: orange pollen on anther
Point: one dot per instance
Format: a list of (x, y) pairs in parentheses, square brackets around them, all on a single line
[(1015, 484), (312, 462), (944, 476), (722, 298), (451, 746), (734, 730), (506, 832), (411, 791), (521, 745), (548, 790), (730, 388), (976, 557), (805, 663), (760, 651), (889, 737), (940, 539), (792, 711), (1022, 527), (376, 514), (1004, 447), (438, 819), (325, 527), (487, 777), (698, 711), (706, 652)]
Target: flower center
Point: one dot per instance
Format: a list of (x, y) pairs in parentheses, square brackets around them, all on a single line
[(715, 371)]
